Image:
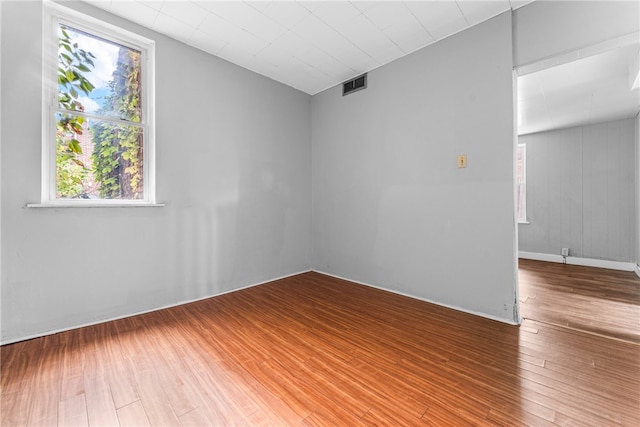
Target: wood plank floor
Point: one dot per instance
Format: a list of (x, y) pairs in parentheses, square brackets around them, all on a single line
[(315, 350), (596, 300)]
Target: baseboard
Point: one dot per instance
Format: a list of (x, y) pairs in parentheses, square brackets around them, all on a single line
[(587, 262), (637, 270), (110, 319), (453, 307)]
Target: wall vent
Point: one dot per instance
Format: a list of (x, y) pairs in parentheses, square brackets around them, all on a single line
[(355, 84)]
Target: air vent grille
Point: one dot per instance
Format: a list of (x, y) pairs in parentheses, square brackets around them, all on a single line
[(354, 85)]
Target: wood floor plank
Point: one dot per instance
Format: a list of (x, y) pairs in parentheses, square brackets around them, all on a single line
[(133, 414), (606, 302), (73, 411), (315, 350), (14, 409), (45, 385), (122, 384), (196, 417), (154, 400)]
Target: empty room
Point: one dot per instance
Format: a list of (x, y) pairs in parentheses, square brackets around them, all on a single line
[(319, 213)]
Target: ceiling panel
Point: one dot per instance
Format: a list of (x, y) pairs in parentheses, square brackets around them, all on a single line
[(173, 28), (237, 12), (204, 41), (154, 4), (325, 38), (218, 29), (323, 62), (440, 19), (586, 91), (146, 15), (336, 14), (384, 15), (410, 36), (339, 39), (287, 14), (369, 39), (187, 12), (478, 11)]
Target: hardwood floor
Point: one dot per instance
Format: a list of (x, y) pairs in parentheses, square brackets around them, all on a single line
[(315, 350), (596, 300)]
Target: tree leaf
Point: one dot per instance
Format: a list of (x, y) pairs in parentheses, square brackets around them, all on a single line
[(78, 162), (86, 86), (77, 127), (74, 146), (67, 57), (89, 85)]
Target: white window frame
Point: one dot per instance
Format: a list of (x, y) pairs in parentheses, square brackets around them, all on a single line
[(54, 15), (522, 219)]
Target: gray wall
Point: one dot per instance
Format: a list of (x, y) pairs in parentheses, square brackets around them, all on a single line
[(637, 123), (544, 29), (390, 206), (581, 192), (233, 162)]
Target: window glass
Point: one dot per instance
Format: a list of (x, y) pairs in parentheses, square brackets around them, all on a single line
[(97, 158), (100, 137)]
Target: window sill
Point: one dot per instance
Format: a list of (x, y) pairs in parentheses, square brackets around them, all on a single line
[(95, 205), (524, 222)]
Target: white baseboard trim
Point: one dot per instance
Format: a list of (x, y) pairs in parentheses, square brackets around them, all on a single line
[(587, 262), (97, 322), (453, 307)]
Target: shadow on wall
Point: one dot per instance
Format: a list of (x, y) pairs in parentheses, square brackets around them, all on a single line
[(238, 239)]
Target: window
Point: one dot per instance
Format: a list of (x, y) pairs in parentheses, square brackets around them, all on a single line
[(521, 174), (98, 139)]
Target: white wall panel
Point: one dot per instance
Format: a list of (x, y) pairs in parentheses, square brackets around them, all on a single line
[(580, 192), (554, 189)]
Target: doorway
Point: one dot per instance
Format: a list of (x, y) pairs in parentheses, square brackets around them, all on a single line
[(576, 119)]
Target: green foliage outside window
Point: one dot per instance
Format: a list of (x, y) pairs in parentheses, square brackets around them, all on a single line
[(116, 160), (72, 63), (117, 156)]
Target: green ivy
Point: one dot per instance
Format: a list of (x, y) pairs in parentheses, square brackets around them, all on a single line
[(117, 155), (72, 63)]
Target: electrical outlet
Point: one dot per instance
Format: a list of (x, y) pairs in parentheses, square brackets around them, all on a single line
[(462, 161), (565, 251)]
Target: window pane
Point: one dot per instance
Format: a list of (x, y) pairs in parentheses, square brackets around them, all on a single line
[(98, 76), (97, 159)]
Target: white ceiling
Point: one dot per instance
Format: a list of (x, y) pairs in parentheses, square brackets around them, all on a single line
[(594, 89), (315, 45), (309, 45)]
